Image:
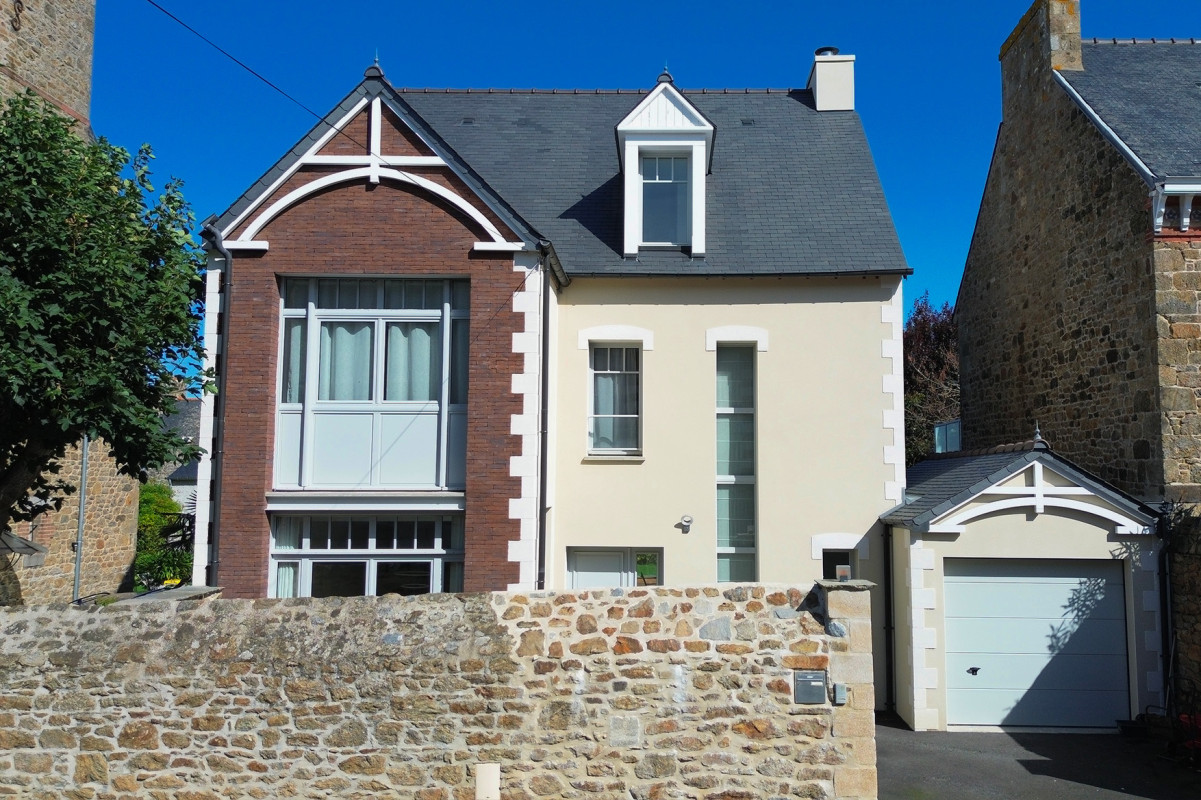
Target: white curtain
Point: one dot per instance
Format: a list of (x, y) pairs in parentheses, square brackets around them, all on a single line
[(345, 361), (287, 533), (293, 361), (413, 369), (285, 580)]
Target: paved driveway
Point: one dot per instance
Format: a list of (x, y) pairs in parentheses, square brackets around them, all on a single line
[(1028, 766)]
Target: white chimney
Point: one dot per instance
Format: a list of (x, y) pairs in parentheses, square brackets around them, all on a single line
[(832, 80)]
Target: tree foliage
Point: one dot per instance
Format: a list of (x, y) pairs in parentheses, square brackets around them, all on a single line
[(157, 560), (931, 375), (99, 306)]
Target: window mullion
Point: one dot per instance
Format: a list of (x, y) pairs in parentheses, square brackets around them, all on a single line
[(312, 375), (444, 387)]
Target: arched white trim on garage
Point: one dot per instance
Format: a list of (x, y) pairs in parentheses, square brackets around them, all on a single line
[(1037, 498), (301, 192)]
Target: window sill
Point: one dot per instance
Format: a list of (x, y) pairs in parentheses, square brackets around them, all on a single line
[(614, 458)]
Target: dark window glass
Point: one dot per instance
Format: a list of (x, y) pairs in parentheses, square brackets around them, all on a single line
[(402, 577), (339, 578)]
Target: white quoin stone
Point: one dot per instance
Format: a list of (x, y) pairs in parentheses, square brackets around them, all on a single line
[(832, 80)]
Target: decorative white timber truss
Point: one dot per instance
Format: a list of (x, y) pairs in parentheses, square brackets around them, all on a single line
[(1037, 496), (372, 165)]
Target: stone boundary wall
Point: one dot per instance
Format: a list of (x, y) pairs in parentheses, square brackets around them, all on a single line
[(643, 694)]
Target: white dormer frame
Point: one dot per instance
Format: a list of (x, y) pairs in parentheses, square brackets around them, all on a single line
[(664, 124)]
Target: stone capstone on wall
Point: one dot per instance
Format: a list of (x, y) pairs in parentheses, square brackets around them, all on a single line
[(656, 693)]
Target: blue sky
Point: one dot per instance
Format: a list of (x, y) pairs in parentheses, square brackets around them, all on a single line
[(927, 78)]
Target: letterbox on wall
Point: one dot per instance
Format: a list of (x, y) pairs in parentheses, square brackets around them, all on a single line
[(809, 686)]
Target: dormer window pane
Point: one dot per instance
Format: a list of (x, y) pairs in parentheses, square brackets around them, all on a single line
[(665, 196)]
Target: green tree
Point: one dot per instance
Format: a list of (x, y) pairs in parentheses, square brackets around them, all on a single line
[(157, 560), (100, 284), (931, 340)]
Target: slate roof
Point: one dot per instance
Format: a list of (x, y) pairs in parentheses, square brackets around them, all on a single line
[(185, 421), (795, 192), (943, 482), (1149, 94)]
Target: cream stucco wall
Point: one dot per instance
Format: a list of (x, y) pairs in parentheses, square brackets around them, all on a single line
[(1054, 534), (829, 435)]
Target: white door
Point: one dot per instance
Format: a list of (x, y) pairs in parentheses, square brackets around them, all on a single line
[(596, 569), (1035, 642)]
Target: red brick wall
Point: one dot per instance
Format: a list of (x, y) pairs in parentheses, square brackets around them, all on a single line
[(358, 229)]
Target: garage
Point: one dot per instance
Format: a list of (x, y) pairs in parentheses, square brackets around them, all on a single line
[(1035, 642), (1025, 593)]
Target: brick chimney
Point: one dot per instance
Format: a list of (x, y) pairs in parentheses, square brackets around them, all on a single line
[(1046, 38)]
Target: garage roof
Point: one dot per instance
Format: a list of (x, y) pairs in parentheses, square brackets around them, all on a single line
[(948, 480)]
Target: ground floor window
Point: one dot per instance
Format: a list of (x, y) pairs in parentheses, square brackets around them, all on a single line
[(838, 563), (605, 567), (356, 555)]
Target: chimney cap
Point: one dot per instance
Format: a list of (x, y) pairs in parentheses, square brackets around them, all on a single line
[(826, 51)]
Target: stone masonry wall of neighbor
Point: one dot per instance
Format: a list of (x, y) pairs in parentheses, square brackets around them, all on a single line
[(656, 693), (1178, 299), (1056, 310), (109, 537), (1178, 303), (1186, 617), (46, 45)]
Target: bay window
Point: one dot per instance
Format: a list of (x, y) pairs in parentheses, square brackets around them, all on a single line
[(373, 383)]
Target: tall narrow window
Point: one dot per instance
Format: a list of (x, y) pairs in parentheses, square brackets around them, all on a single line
[(665, 200), (736, 515), (616, 377)]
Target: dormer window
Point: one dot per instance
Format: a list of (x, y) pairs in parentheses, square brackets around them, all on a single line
[(665, 147), (665, 200)]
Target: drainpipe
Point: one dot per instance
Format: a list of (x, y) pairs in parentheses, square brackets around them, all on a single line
[(890, 700), (83, 506), (210, 232), (544, 403), (1166, 628)]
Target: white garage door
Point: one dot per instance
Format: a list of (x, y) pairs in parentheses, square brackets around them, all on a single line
[(1035, 642)]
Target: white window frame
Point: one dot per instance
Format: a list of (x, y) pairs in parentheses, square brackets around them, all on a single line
[(742, 480), (685, 238), (629, 576), (304, 556), (376, 405), (592, 449)]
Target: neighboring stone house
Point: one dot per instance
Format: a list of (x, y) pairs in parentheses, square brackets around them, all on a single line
[(1079, 308), (47, 47), (493, 339)]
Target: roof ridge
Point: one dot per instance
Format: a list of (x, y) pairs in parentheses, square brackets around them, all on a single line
[(1012, 447), (435, 90), (1135, 40)]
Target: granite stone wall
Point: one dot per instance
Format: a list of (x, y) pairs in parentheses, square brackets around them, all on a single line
[(110, 537), (644, 694), (46, 45), (1186, 617), (1178, 303), (1057, 316)]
